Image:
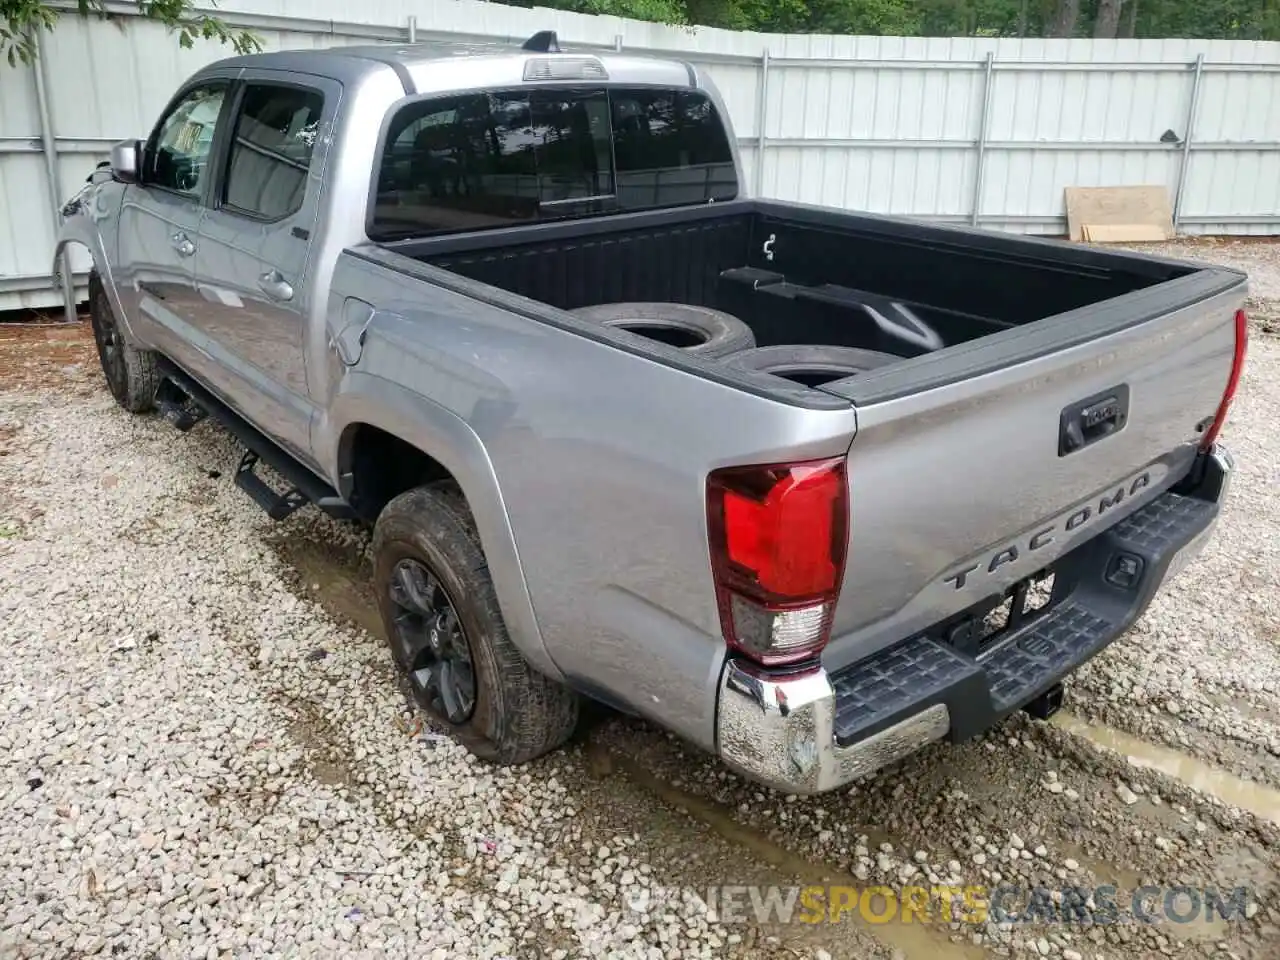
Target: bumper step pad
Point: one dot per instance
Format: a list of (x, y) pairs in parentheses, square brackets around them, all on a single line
[(1102, 587), (1060, 641), (897, 682)]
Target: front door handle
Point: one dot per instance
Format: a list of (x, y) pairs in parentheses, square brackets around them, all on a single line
[(182, 243), (275, 286)]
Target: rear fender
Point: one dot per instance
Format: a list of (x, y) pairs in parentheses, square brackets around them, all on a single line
[(444, 436)]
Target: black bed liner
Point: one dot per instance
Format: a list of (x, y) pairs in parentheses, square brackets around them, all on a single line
[(805, 275)]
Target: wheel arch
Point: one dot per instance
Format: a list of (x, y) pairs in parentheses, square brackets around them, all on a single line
[(371, 421), (79, 230)]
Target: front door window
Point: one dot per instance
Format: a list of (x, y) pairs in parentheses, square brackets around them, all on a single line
[(178, 154)]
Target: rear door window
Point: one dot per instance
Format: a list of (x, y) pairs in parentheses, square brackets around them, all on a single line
[(482, 160), (270, 155)]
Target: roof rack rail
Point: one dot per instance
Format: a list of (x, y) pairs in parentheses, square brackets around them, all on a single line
[(544, 41)]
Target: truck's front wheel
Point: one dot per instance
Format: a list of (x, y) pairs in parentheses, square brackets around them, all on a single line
[(131, 373), (446, 633)]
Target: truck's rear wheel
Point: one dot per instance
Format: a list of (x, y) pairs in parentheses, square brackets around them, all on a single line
[(131, 374), (447, 636)]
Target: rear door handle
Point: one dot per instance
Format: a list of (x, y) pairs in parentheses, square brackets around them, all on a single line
[(182, 243), (275, 286)]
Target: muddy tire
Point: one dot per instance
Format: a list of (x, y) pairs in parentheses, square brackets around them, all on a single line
[(700, 331), (440, 612), (132, 375)]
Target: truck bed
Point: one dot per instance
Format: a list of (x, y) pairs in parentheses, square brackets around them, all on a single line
[(961, 482), (802, 275)]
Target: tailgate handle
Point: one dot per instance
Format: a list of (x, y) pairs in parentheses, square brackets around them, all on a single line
[(1092, 419)]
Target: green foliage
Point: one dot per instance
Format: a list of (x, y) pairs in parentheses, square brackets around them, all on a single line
[(1226, 19), (884, 17), (18, 21), (1196, 19), (22, 20)]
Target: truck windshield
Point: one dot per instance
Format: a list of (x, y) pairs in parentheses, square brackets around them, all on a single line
[(471, 161)]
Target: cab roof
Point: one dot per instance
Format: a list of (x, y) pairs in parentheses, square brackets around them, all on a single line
[(440, 66)]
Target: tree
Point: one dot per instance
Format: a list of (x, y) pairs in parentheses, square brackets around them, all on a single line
[(1107, 22), (1065, 15), (1130, 19), (1194, 19), (21, 21)]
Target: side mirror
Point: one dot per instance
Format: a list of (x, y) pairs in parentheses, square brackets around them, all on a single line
[(126, 161)]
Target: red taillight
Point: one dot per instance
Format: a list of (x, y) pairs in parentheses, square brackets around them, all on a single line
[(778, 537), (1237, 368)]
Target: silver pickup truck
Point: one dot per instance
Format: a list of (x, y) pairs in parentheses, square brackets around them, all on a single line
[(810, 488)]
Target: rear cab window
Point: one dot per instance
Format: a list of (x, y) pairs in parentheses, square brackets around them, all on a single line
[(670, 149), (480, 160)]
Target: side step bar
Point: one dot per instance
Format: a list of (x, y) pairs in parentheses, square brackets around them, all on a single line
[(277, 505), (177, 407), (305, 487)]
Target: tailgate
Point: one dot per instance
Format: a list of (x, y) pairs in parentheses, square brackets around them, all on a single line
[(960, 489)]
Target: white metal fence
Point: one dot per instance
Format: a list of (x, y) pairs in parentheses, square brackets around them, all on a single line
[(967, 130)]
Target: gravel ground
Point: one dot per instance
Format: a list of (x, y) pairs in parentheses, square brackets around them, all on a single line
[(205, 754), (1202, 669)]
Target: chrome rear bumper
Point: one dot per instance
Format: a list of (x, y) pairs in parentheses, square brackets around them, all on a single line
[(781, 731), (807, 731)]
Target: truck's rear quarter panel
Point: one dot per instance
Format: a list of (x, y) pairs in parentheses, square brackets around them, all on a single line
[(601, 457)]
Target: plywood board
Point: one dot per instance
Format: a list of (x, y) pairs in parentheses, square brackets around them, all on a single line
[(1119, 206), (1122, 232)]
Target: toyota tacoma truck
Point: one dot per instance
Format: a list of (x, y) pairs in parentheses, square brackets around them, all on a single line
[(810, 488)]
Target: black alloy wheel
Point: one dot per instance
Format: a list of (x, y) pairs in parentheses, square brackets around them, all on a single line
[(110, 345), (432, 644)]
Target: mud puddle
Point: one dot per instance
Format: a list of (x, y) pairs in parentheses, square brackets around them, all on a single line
[(1263, 713), (1127, 881), (339, 583), (1260, 800)]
